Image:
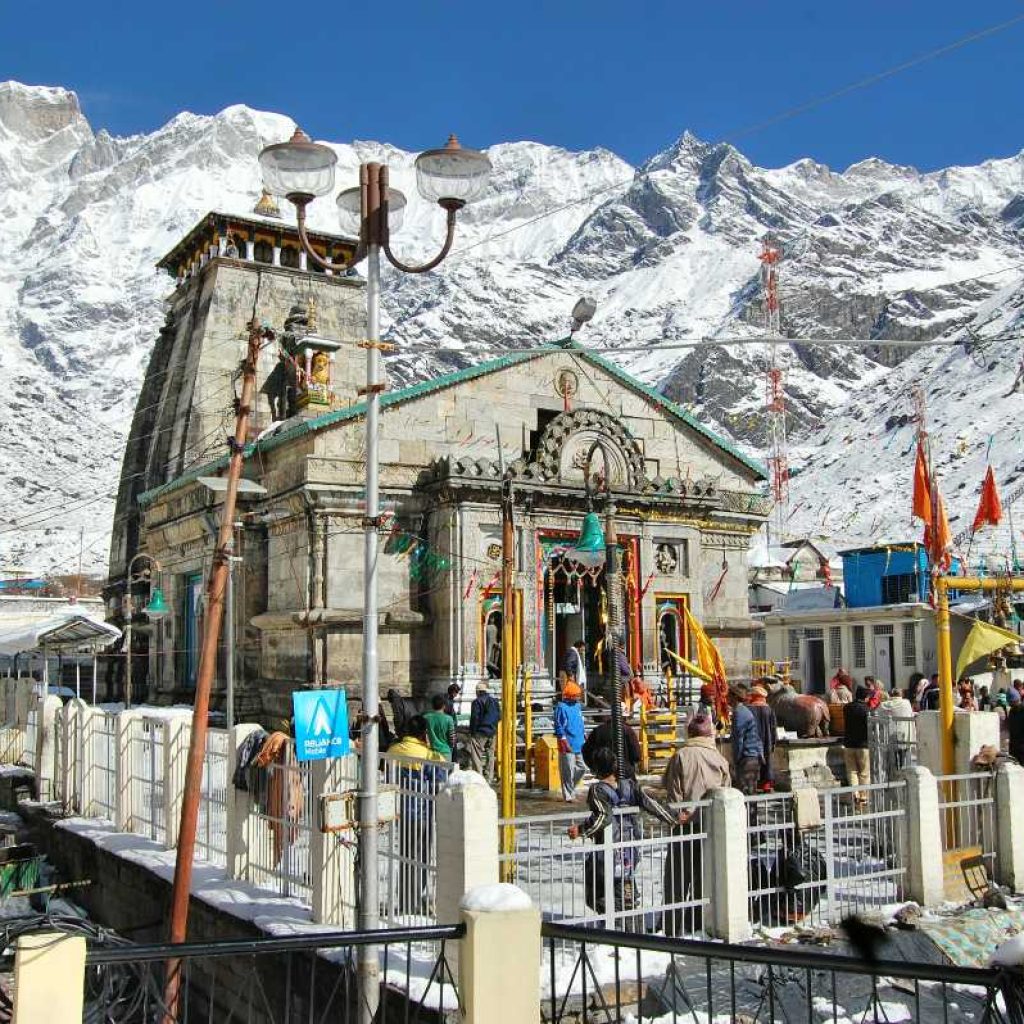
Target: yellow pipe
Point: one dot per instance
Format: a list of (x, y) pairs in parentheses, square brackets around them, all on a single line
[(945, 656), (528, 725)]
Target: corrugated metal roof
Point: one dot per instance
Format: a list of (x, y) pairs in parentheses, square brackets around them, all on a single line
[(426, 387)]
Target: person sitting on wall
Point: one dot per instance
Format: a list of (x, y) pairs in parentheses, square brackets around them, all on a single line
[(875, 694), (840, 688)]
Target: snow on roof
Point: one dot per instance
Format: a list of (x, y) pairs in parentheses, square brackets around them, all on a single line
[(30, 632)]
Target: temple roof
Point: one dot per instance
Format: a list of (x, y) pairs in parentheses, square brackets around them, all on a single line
[(393, 398)]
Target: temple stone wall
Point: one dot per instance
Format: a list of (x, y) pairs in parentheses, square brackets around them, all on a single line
[(303, 614), (184, 410)]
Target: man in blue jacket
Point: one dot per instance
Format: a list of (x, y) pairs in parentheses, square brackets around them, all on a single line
[(569, 733), (484, 716), (747, 750)]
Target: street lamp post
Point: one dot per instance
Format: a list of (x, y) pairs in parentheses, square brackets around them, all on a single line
[(612, 641), (156, 609), (300, 170)]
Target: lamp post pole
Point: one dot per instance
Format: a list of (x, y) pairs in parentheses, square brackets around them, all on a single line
[(612, 644), (146, 574), (300, 170)]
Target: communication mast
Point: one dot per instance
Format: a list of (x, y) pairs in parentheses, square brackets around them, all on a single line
[(775, 395)]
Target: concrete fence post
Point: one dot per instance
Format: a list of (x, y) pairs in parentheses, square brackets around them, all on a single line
[(238, 808), (466, 821), (46, 747), (924, 837), (70, 755), (332, 854), (499, 982), (24, 696), (49, 978), (176, 739), (1010, 827), (88, 771), (725, 866), (124, 733)]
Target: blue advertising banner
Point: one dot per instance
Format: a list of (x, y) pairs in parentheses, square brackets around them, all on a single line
[(321, 724)]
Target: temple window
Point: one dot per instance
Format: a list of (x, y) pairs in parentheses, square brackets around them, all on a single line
[(264, 252), (289, 257)]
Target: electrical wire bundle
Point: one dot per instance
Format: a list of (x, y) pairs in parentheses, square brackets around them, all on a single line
[(115, 993)]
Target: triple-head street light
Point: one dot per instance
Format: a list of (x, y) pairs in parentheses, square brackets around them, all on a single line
[(301, 170)]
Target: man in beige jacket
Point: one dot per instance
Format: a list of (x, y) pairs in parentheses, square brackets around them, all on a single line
[(695, 769)]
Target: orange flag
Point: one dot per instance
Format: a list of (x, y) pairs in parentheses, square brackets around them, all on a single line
[(922, 501), (990, 508)]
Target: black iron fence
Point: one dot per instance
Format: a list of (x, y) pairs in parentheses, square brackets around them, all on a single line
[(288, 980), (597, 977)]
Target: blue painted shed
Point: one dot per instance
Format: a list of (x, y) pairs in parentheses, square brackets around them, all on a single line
[(886, 574)]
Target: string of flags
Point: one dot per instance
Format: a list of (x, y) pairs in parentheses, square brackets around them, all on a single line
[(424, 560)]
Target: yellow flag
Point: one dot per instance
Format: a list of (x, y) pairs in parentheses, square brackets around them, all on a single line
[(983, 639), (709, 658)]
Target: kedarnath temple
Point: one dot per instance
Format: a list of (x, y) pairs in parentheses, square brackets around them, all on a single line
[(687, 502)]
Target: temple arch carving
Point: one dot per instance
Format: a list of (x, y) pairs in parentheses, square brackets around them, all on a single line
[(562, 449)]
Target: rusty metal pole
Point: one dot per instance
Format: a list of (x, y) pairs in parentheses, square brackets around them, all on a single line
[(215, 591)]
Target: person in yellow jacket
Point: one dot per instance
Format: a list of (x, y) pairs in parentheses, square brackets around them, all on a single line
[(418, 780), (415, 742)]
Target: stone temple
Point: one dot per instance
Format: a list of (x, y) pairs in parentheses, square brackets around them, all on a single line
[(687, 502)]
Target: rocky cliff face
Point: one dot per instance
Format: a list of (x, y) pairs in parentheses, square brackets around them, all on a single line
[(668, 249)]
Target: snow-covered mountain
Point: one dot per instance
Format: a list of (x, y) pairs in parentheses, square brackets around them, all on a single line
[(668, 249)]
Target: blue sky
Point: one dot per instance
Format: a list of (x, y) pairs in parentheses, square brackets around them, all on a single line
[(630, 76)]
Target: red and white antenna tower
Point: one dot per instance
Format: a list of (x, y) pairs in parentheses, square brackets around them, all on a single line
[(775, 395)]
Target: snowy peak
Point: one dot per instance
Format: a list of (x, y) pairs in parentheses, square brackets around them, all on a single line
[(35, 113), (669, 251)]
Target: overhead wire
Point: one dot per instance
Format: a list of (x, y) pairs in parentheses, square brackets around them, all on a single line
[(639, 174), (785, 115)]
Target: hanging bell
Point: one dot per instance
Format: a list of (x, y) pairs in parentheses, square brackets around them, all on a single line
[(157, 607), (589, 549)]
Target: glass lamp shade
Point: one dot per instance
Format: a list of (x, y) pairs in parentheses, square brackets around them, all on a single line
[(298, 166), (157, 607), (350, 211), (589, 549), (452, 175)]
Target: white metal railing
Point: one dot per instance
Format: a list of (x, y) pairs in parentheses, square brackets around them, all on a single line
[(68, 756), (12, 744), (852, 861), (281, 827), (407, 851), (99, 753), (212, 827), (146, 740), (892, 743), (967, 816), (656, 871), (28, 753)]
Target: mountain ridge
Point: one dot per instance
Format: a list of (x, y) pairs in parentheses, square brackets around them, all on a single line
[(668, 249)]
